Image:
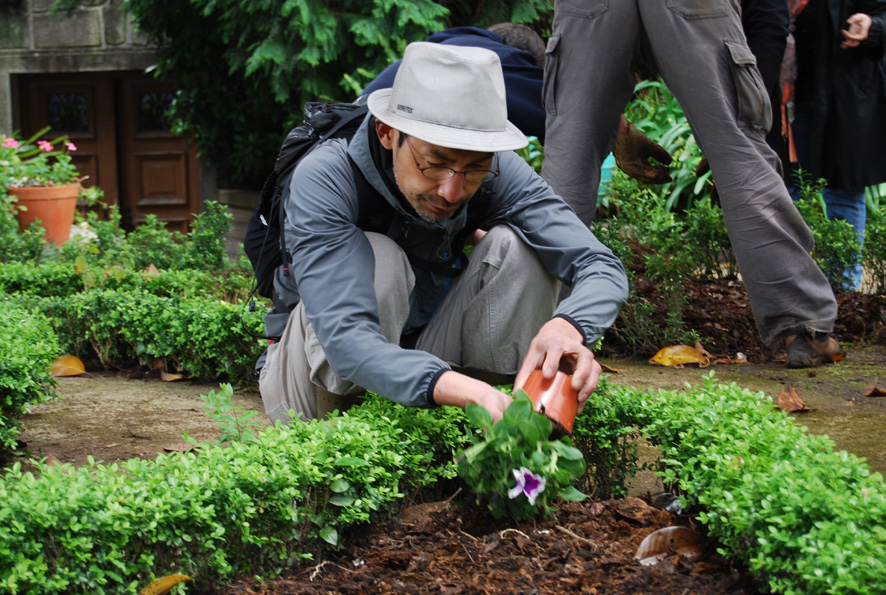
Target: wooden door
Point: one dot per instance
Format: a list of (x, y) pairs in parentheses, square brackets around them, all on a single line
[(81, 107), (159, 171), (124, 142)]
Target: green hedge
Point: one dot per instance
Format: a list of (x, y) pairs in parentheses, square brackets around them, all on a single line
[(254, 507), (28, 347), (203, 336), (804, 517)]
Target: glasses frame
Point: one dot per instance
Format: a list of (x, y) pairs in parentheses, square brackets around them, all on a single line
[(488, 174)]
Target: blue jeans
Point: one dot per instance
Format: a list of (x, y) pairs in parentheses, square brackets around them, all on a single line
[(843, 204)]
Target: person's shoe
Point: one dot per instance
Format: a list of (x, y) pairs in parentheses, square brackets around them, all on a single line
[(808, 350)]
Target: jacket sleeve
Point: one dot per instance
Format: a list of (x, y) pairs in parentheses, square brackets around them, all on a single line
[(334, 267), (565, 245)]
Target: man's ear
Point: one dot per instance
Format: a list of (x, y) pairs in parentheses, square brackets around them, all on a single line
[(385, 134)]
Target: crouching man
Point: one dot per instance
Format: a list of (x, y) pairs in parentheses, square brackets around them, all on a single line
[(405, 313)]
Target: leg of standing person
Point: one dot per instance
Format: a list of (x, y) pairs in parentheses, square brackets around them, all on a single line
[(849, 206), (701, 52), (588, 82), (713, 75)]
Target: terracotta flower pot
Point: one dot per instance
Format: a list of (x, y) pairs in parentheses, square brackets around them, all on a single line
[(54, 206), (554, 398)]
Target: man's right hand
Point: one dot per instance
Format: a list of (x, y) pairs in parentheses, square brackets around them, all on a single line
[(632, 152), (456, 389)]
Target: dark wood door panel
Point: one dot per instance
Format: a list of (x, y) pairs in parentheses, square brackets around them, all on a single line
[(161, 174), (80, 107)]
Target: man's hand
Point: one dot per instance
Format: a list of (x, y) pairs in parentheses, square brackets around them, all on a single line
[(632, 152), (859, 28), (456, 389), (558, 346)]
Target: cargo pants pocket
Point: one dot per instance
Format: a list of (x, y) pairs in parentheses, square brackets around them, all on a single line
[(753, 109), (699, 9)]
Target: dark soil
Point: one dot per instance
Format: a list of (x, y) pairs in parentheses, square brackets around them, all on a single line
[(589, 548), (719, 311)]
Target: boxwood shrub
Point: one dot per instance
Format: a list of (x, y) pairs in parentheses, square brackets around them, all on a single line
[(253, 507), (803, 516), (28, 346)]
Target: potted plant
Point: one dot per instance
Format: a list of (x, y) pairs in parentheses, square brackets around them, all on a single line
[(40, 175), (514, 465)]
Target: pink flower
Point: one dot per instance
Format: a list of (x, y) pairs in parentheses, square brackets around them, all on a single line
[(10, 143), (70, 146), (527, 483), (44, 145)]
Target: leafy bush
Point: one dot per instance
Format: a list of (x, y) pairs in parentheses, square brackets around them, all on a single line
[(206, 337), (836, 244), (28, 348), (606, 433), (874, 254), (254, 507), (152, 244), (804, 518)]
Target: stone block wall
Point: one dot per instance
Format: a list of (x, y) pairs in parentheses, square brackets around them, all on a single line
[(97, 36)]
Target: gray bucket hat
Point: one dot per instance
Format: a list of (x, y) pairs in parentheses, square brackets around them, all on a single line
[(449, 96)]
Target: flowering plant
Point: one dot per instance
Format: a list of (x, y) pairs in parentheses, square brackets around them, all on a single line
[(32, 162), (514, 464)]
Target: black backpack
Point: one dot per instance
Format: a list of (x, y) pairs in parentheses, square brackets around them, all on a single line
[(263, 242)]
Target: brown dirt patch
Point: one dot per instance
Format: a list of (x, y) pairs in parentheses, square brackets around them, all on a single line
[(588, 548)]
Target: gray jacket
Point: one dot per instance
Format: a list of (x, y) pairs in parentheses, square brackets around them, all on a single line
[(333, 264)]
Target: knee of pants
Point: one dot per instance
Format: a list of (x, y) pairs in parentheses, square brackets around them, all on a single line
[(503, 247)]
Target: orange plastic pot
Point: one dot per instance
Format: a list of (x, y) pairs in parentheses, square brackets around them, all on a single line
[(554, 398), (54, 206)]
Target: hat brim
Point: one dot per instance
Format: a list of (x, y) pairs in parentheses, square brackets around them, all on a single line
[(451, 137)]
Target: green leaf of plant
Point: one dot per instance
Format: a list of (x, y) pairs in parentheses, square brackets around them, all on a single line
[(341, 500), (529, 431), (351, 462), (570, 493), (518, 410), (479, 416), (329, 535), (340, 485), (568, 452)]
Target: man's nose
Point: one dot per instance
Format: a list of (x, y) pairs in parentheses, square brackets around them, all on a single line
[(452, 189)]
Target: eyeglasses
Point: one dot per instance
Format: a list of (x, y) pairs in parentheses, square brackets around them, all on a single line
[(436, 172)]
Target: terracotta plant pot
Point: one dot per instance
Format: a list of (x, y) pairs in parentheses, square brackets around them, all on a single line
[(54, 206), (554, 398)]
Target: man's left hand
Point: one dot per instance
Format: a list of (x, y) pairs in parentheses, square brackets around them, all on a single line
[(558, 346)]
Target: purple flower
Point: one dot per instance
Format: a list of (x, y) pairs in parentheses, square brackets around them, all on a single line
[(527, 483)]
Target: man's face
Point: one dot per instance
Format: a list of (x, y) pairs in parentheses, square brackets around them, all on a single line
[(434, 200)]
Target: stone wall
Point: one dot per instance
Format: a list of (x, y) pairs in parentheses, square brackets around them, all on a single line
[(98, 36)]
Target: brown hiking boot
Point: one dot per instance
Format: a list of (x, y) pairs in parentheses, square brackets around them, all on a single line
[(808, 350)]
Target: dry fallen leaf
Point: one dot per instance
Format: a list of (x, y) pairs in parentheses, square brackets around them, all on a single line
[(609, 369), (163, 585), (875, 390), (67, 365), (677, 355), (150, 272), (789, 400), (685, 541), (171, 377)]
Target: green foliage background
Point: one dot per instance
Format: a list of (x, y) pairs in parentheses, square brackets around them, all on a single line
[(245, 68)]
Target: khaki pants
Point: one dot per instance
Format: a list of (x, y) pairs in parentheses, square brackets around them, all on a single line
[(486, 321)]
